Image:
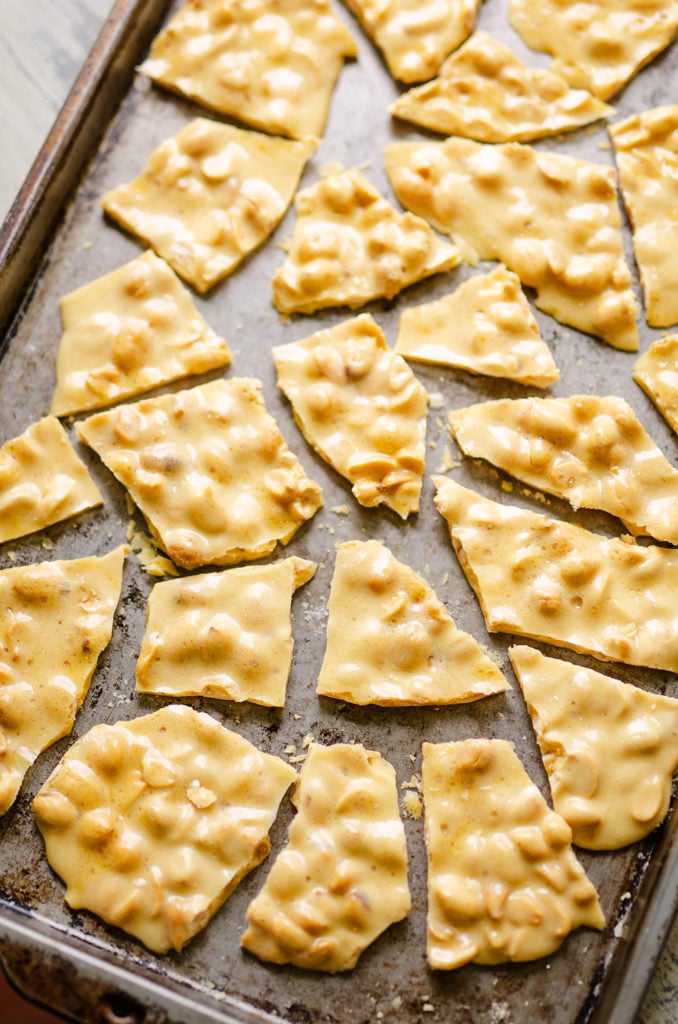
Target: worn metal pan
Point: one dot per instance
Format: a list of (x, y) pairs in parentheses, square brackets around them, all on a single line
[(56, 239)]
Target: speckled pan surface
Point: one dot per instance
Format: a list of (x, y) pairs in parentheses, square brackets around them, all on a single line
[(212, 978)]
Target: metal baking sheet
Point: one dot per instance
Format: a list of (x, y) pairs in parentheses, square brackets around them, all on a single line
[(57, 239)]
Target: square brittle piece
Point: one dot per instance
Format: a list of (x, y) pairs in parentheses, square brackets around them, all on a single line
[(209, 196), (128, 332), (153, 823), (223, 634), (42, 480), (270, 63), (209, 469)]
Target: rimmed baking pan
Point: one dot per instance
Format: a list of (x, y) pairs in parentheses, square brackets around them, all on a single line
[(56, 239)]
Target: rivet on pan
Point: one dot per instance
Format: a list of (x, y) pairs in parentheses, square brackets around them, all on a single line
[(118, 1008)]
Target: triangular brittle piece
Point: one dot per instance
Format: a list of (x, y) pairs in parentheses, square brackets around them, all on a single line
[(598, 44), (129, 332), (55, 620), (646, 149), (361, 408), (153, 823), (342, 878), (485, 92), (351, 246), (209, 469), (552, 219), (656, 371), (610, 749), (222, 634), (415, 37), (503, 881), (209, 196), (485, 326), (270, 63), (42, 481), (390, 641), (550, 580), (590, 450)]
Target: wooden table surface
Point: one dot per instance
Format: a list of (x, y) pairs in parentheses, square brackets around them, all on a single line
[(43, 43)]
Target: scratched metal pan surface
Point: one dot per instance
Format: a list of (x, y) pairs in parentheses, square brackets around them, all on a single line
[(56, 240)]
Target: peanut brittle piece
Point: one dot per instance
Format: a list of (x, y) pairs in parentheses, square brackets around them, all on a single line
[(597, 44), (270, 63), (362, 409), (590, 450), (503, 880), (609, 748), (646, 150), (484, 92), (415, 36), (153, 823), (129, 332), (552, 219), (209, 196), (351, 246), (484, 326), (390, 641), (222, 634), (42, 481), (209, 469), (656, 371), (342, 878), (55, 620), (550, 580)]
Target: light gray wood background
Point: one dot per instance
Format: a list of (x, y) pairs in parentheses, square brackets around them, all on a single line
[(43, 43)]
